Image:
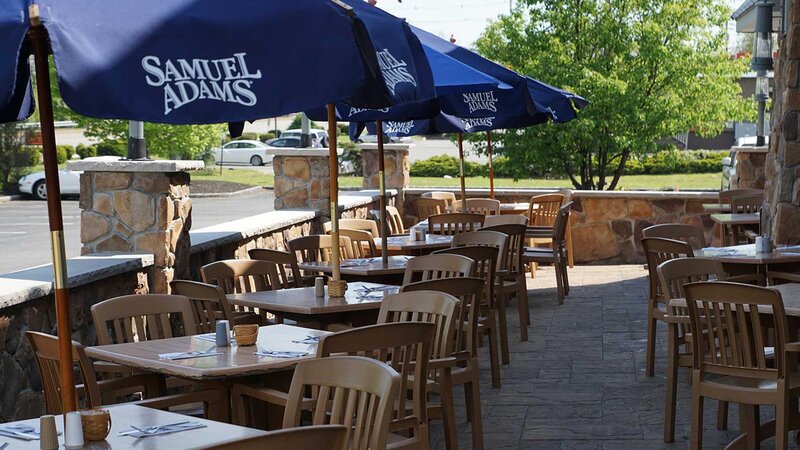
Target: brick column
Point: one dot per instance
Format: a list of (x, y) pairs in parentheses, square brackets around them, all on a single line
[(302, 180), (749, 168), (397, 165), (783, 160), (139, 207)]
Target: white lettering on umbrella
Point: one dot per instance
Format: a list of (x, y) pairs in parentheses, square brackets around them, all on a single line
[(471, 123), (480, 101), (354, 111), (399, 127), (185, 81), (394, 71)]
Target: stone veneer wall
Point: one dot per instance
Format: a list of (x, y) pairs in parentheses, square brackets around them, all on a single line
[(750, 173), (607, 226), (783, 160), (144, 212), (395, 162), (20, 386), (303, 181)]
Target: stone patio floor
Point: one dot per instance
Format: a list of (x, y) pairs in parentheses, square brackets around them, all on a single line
[(579, 382)]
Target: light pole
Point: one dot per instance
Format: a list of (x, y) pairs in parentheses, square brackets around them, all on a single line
[(761, 62)]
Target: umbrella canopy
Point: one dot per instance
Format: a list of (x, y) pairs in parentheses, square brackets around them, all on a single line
[(156, 61), (189, 62)]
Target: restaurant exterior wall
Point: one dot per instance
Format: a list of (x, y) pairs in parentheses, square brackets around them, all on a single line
[(607, 226)]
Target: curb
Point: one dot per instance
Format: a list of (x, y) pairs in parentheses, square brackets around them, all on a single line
[(9, 198), (222, 194)]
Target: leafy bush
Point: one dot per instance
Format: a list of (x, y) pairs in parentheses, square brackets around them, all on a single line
[(444, 165), (61, 154), (351, 153), (267, 136), (86, 151), (247, 137), (26, 156), (344, 129), (112, 148), (297, 123), (66, 150), (673, 161)]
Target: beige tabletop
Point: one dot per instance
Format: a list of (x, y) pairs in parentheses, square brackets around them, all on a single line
[(514, 208), (363, 267), (234, 361), (715, 208), (360, 296), (123, 416), (736, 219), (746, 254), (407, 243)]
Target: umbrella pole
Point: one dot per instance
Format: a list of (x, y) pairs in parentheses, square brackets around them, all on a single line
[(334, 172), (382, 183), (38, 38), (491, 164), (461, 158)]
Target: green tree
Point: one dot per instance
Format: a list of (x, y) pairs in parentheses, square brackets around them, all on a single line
[(651, 69), (14, 156)]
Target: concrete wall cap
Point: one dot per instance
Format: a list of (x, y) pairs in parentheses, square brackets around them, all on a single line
[(700, 195), (27, 284), (320, 152), (374, 146), (135, 166)]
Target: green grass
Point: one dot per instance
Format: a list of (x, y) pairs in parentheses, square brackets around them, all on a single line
[(684, 182)]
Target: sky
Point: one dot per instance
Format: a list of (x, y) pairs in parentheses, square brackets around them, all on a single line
[(464, 19)]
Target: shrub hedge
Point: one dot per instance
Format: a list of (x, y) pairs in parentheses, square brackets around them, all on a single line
[(86, 151), (445, 165), (112, 148)]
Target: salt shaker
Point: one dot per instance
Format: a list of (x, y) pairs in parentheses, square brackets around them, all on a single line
[(319, 286), (223, 337), (73, 430)]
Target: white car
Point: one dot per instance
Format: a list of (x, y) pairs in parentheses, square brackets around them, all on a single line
[(69, 181), (322, 135), (242, 152)]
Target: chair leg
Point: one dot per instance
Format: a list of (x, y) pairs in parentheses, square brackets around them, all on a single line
[(476, 419), (494, 358), (238, 410), (782, 412), (503, 325), (448, 410), (696, 441), (671, 385), (565, 276), (524, 311), (651, 345), (570, 252), (722, 415), (559, 283)]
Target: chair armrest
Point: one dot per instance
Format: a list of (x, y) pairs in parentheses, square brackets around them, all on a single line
[(675, 319), (111, 368), (206, 396), (785, 276), (793, 347)]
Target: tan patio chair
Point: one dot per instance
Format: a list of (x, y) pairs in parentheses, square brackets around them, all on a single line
[(657, 251), (449, 197), (440, 309), (209, 304), (353, 391), (396, 225), (726, 196), (403, 346), (746, 204), (567, 193), (485, 206), (556, 254), (145, 317), (542, 213), (354, 224), (239, 276), (485, 258), (453, 223), (694, 235), (505, 219), (285, 266), (673, 275), (433, 267), (460, 367), (427, 207), (729, 322), (320, 437), (46, 352), (511, 282), (317, 247), (362, 243)]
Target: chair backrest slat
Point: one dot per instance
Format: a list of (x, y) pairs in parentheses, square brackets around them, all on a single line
[(511, 261), (433, 307), (320, 437), (432, 267), (747, 203), (427, 207), (505, 219), (317, 247), (726, 196), (453, 223), (208, 303), (543, 209), (694, 235), (657, 251), (354, 224), (362, 243), (285, 265), (485, 206)]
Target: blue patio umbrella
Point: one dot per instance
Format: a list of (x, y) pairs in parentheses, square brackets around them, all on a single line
[(192, 62)]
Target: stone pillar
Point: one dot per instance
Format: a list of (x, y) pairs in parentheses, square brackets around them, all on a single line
[(783, 160), (302, 179), (397, 165), (749, 168), (139, 207)]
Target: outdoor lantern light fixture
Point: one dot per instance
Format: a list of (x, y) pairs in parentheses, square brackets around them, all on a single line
[(761, 61)]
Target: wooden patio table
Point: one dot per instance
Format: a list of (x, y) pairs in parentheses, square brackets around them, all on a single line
[(360, 304), (782, 262), (409, 245), (217, 372), (514, 208), (716, 208), (733, 220), (123, 416), (363, 269)]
